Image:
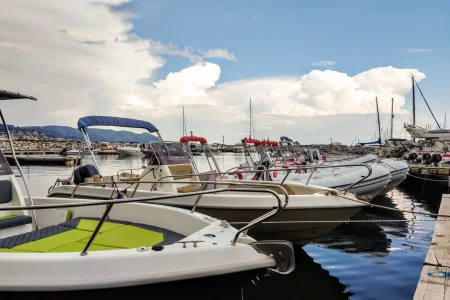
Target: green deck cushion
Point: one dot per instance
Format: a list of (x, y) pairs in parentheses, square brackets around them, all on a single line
[(55, 241), (7, 217), (14, 250), (78, 247), (128, 236), (90, 225)]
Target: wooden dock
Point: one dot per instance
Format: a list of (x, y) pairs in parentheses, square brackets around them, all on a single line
[(44, 160), (434, 280)]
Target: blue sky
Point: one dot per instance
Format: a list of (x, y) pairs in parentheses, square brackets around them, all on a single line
[(341, 48), (285, 38)]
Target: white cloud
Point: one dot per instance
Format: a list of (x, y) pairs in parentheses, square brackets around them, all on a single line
[(51, 51), (157, 47), (219, 53), (325, 63), (418, 50)]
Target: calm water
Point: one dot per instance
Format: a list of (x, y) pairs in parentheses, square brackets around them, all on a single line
[(355, 261)]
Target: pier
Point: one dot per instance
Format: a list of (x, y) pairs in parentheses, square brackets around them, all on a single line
[(44, 160), (434, 282)]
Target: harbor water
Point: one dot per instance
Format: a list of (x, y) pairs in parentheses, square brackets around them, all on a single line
[(358, 260)]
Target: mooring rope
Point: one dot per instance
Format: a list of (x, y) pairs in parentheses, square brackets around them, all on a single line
[(339, 221), (438, 180)]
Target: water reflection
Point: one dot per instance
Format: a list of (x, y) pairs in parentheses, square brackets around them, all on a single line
[(361, 260)]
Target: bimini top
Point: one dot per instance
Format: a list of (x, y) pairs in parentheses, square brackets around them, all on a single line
[(84, 123), (285, 138), (5, 95)]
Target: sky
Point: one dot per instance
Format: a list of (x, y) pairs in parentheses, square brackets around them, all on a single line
[(311, 68)]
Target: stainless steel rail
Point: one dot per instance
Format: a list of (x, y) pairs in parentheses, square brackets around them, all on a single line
[(306, 168), (232, 182), (110, 204), (13, 152)]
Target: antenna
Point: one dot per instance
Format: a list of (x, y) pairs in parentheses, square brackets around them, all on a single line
[(445, 121)]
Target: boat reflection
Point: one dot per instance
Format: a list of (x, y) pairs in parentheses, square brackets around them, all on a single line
[(308, 281)]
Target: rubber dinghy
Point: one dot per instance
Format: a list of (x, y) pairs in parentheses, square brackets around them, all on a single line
[(341, 178), (399, 170)]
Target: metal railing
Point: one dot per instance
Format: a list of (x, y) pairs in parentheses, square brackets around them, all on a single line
[(154, 182), (110, 203), (130, 169), (302, 168)]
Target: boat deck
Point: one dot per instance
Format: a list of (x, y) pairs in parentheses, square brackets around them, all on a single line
[(73, 235), (434, 280)]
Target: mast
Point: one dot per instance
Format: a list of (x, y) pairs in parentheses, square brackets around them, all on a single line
[(392, 117), (250, 132), (445, 121), (413, 101), (379, 126), (184, 125)]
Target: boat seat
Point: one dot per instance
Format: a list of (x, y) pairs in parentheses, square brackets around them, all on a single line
[(5, 191), (189, 188), (73, 235), (13, 221)]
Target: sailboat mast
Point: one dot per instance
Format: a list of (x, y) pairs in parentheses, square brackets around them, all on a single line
[(413, 101), (392, 117), (250, 131), (184, 125), (379, 125)]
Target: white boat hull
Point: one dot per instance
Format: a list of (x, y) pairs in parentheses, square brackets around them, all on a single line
[(130, 152), (132, 267), (226, 206)]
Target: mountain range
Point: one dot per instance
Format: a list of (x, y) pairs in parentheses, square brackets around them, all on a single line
[(95, 134)]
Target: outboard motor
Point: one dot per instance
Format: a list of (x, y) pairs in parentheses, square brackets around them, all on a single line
[(83, 172), (426, 158), (411, 156), (435, 159)]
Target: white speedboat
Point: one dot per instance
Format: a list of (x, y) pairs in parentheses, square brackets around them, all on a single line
[(70, 244), (170, 172), (75, 152), (130, 150)]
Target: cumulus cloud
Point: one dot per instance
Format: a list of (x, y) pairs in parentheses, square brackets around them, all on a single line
[(79, 58), (219, 53), (418, 50), (325, 63)]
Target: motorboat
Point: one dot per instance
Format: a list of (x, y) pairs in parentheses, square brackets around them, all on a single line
[(170, 172), (60, 244), (134, 149)]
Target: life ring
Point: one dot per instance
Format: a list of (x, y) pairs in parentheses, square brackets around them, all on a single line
[(239, 175)]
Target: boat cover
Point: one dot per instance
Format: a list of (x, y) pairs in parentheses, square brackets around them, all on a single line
[(371, 143), (84, 123)]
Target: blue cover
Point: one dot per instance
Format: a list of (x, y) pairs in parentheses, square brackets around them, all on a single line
[(84, 123), (285, 138), (370, 143)]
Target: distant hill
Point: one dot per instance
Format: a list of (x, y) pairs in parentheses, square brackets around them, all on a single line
[(95, 134)]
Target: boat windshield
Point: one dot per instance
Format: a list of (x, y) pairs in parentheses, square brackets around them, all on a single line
[(5, 169), (167, 153)]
